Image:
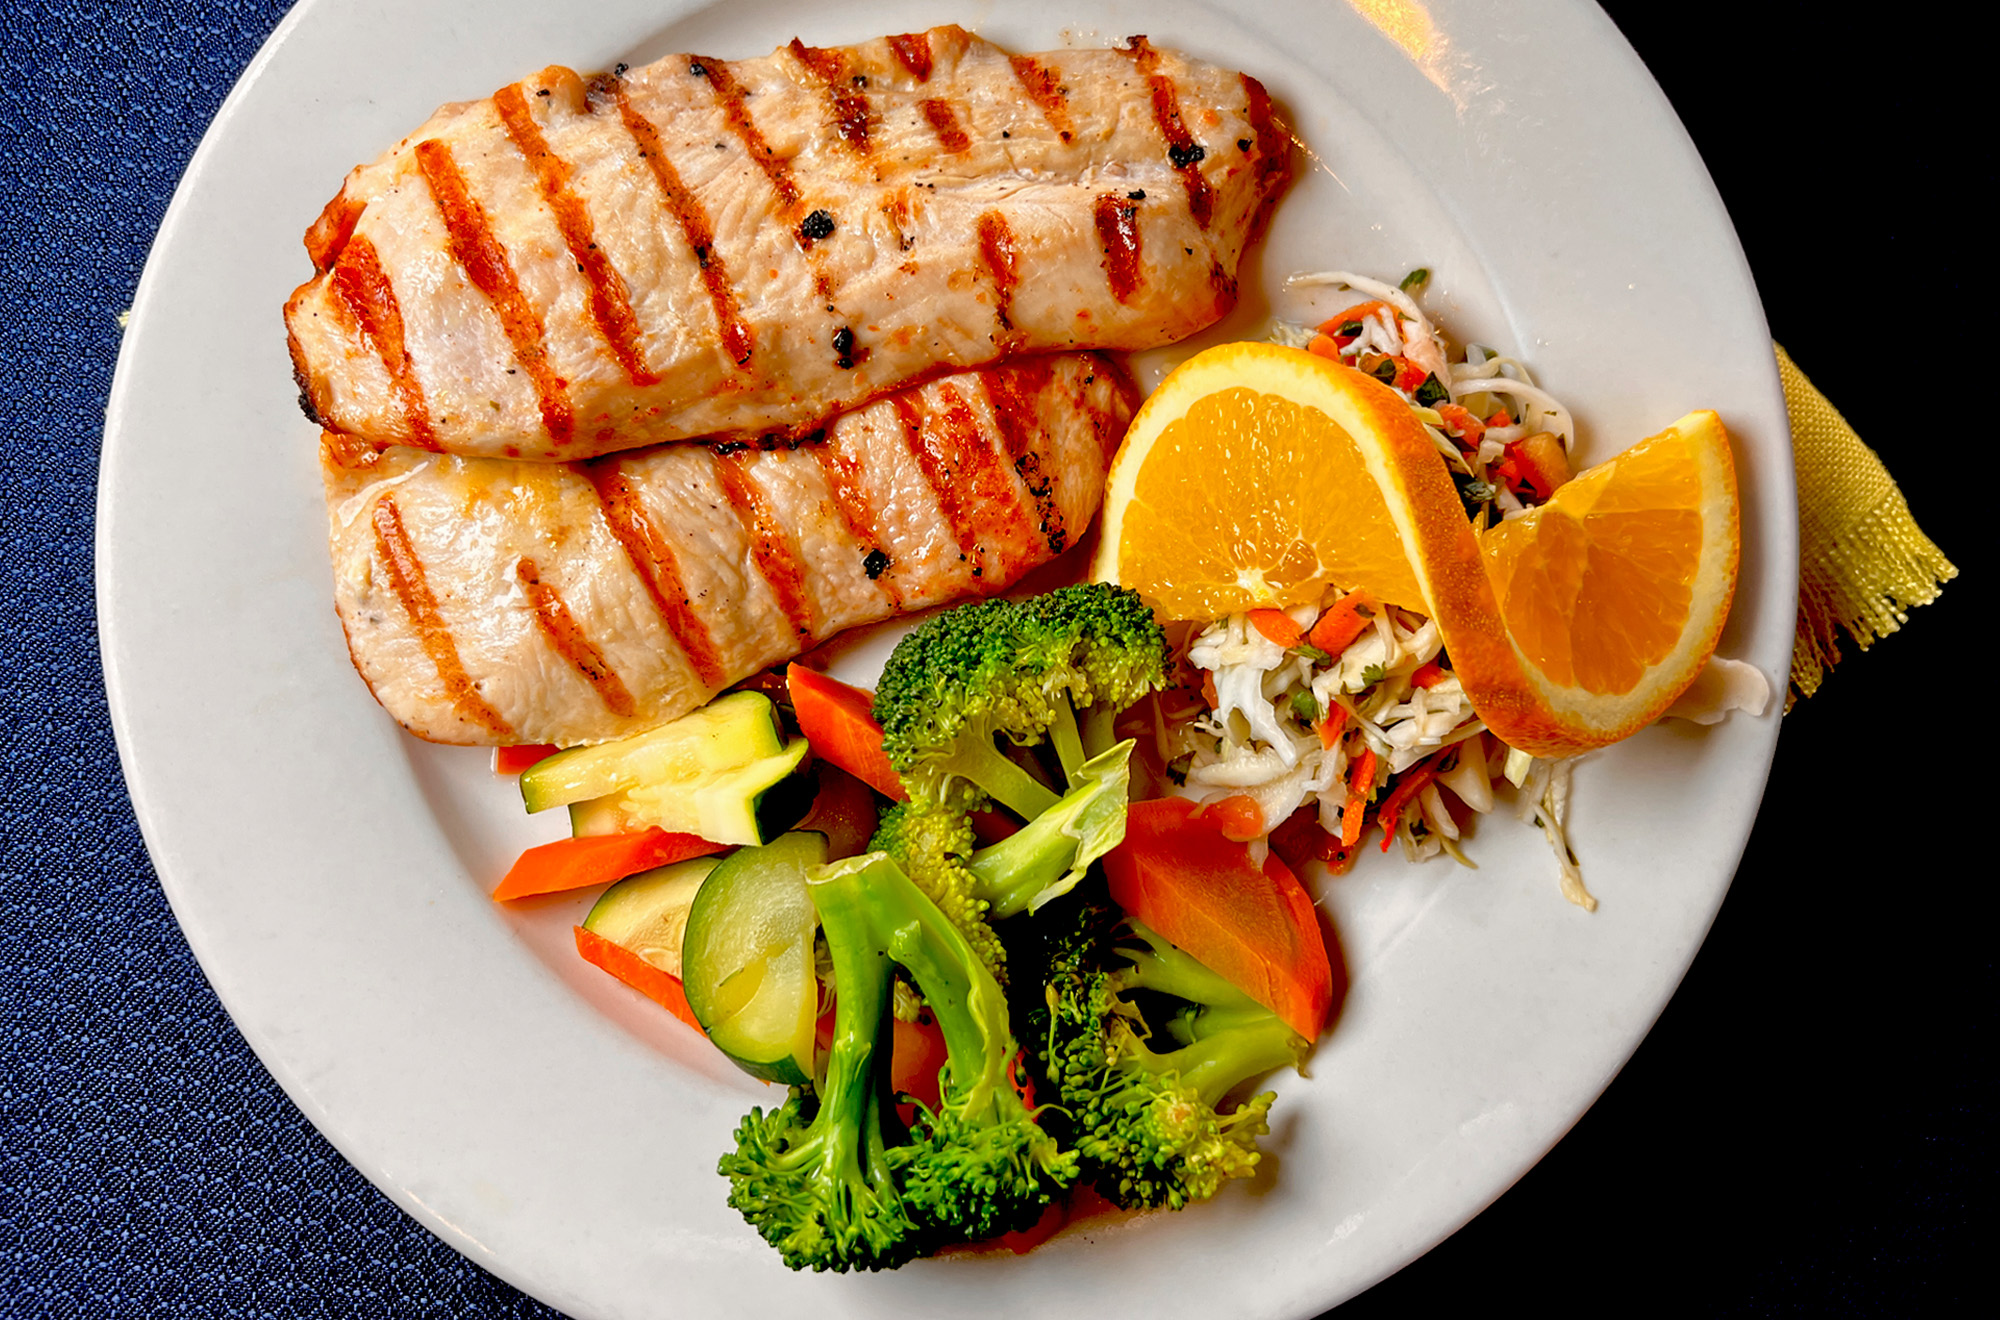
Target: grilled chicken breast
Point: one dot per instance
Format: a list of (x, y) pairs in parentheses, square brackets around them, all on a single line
[(495, 601), (703, 247)]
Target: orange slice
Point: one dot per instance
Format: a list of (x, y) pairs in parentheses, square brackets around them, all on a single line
[(1258, 475), (1614, 592)]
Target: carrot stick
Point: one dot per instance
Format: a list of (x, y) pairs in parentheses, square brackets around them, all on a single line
[(513, 760), (1360, 782), (1390, 815), (1278, 627), (1331, 726), (1345, 620), (1350, 821), (1358, 312), (629, 967), (551, 868), (838, 720), (1429, 674)]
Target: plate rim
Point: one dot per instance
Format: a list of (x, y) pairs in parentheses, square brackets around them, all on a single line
[(139, 777)]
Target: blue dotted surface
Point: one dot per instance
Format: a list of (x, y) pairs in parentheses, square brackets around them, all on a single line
[(149, 1165)]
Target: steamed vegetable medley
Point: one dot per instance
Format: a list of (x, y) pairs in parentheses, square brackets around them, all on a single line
[(997, 987)]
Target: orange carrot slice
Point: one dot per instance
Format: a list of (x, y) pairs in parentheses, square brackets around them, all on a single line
[(551, 868), (629, 967), (1253, 925), (838, 720)]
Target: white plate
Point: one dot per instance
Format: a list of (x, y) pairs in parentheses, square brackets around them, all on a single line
[(330, 872)]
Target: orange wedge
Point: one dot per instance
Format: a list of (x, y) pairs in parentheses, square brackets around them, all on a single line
[(1613, 593), (1258, 475)]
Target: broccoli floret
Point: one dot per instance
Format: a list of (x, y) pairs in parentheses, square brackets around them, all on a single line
[(1039, 861), (817, 1175), (931, 844), (1147, 1122), (1019, 670), (1104, 648), (831, 1178), (981, 1164)]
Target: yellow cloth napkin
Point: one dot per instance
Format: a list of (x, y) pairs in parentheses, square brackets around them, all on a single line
[(1863, 562)]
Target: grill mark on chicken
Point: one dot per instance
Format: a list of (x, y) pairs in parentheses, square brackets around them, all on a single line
[(1000, 253), (674, 640), (1046, 92), (1015, 390), (571, 642), (729, 97), (913, 52), (851, 112), (406, 579), (689, 214), (771, 547), (944, 122), (485, 261), (1106, 423), (657, 566), (808, 229), (610, 304), (1118, 234), (335, 225), (894, 319), (844, 479), (975, 490), (1273, 147), (365, 291), (1183, 152)]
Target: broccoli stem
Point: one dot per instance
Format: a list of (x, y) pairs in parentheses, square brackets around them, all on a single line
[(861, 1007), (1067, 741), (1000, 779), (1215, 1064), (853, 1090), (970, 1007), (1049, 855), (1162, 967), (1099, 732)]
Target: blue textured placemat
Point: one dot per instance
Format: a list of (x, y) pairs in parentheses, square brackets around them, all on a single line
[(1805, 1131), (150, 1166)]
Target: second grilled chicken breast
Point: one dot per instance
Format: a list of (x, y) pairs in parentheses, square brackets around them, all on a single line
[(703, 247), (492, 601)]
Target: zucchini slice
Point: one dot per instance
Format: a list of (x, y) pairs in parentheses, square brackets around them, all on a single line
[(747, 961), (727, 733), (749, 804), (647, 914)]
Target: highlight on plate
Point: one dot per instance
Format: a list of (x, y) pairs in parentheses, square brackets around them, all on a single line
[(635, 389)]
